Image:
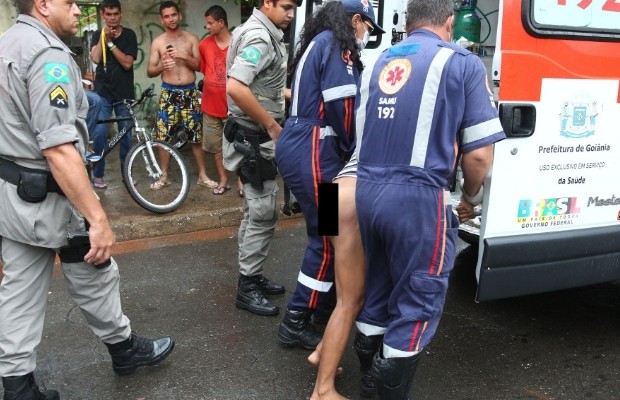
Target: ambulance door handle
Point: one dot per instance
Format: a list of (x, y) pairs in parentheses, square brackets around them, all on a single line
[(518, 119)]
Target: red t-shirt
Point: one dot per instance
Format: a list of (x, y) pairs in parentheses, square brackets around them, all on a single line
[(213, 66)]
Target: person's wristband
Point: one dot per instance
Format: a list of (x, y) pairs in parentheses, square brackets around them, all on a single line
[(111, 45), (473, 200)]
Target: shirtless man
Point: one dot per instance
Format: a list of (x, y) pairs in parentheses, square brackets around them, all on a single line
[(175, 56)]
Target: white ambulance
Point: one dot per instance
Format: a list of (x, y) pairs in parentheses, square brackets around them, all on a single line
[(551, 213)]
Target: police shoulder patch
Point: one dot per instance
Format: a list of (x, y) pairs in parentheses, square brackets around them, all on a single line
[(56, 73), (251, 54), (59, 98)]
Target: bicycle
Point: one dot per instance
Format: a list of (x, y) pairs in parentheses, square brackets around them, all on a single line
[(137, 176)]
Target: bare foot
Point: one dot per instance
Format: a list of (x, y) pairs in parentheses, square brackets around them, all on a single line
[(315, 357), (329, 395)]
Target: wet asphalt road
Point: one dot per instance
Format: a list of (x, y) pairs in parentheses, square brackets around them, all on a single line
[(562, 345)]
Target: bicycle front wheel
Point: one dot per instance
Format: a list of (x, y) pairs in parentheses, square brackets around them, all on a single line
[(145, 183)]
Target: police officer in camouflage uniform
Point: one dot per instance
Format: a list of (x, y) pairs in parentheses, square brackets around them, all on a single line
[(46, 196), (256, 68)]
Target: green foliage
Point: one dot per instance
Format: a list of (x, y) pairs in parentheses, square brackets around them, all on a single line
[(87, 19)]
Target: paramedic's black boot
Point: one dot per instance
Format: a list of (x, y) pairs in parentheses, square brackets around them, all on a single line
[(321, 318), (269, 288), (137, 352), (394, 376), (25, 388), (296, 330), (366, 347), (250, 297)]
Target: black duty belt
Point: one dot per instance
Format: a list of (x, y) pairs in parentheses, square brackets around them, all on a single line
[(9, 171), (243, 133)]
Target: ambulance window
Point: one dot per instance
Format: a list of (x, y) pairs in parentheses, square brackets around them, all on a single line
[(586, 19)]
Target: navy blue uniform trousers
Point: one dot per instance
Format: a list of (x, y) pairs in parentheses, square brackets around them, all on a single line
[(409, 236), (305, 160)]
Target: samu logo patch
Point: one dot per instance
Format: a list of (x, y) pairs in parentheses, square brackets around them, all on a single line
[(251, 55), (56, 73), (59, 98)]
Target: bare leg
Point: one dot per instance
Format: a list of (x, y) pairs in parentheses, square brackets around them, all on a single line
[(219, 164), (350, 279), (240, 186), (199, 155), (164, 159)]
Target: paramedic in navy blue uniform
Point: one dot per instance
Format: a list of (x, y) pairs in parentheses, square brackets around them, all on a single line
[(423, 102), (316, 138)]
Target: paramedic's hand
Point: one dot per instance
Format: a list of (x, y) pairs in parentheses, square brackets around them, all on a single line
[(465, 211)]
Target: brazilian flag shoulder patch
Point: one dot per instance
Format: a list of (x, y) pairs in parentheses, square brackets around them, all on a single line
[(56, 73), (251, 55)]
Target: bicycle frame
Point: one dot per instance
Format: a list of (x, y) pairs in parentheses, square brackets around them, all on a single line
[(140, 131), (174, 190)]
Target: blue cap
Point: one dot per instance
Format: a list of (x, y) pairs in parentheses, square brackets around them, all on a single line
[(363, 8)]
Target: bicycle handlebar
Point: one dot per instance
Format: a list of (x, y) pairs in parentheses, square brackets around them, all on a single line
[(146, 94)]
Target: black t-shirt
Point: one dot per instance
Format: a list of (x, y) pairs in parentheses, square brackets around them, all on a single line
[(116, 83)]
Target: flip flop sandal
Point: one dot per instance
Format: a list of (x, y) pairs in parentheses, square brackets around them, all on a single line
[(241, 193), (99, 185), (160, 184), (221, 190), (210, 183)]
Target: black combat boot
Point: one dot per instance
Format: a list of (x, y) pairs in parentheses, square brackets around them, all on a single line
[(25, 388), (269, 288), (296, 330), (137, 352), (250, 296), (366, 347), (394, 376), (325, 308), (321, 318)]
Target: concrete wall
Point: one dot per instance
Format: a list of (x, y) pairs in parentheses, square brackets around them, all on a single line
[(8, 13), (143, 18)]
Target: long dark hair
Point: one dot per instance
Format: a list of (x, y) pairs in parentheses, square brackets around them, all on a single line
[(330, 17)]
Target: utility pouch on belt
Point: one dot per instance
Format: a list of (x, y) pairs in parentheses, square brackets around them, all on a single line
[(33, 185), (79, 246), (229, 129)]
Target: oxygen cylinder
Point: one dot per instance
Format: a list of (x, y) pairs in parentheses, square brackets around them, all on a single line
[(467, 22)]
